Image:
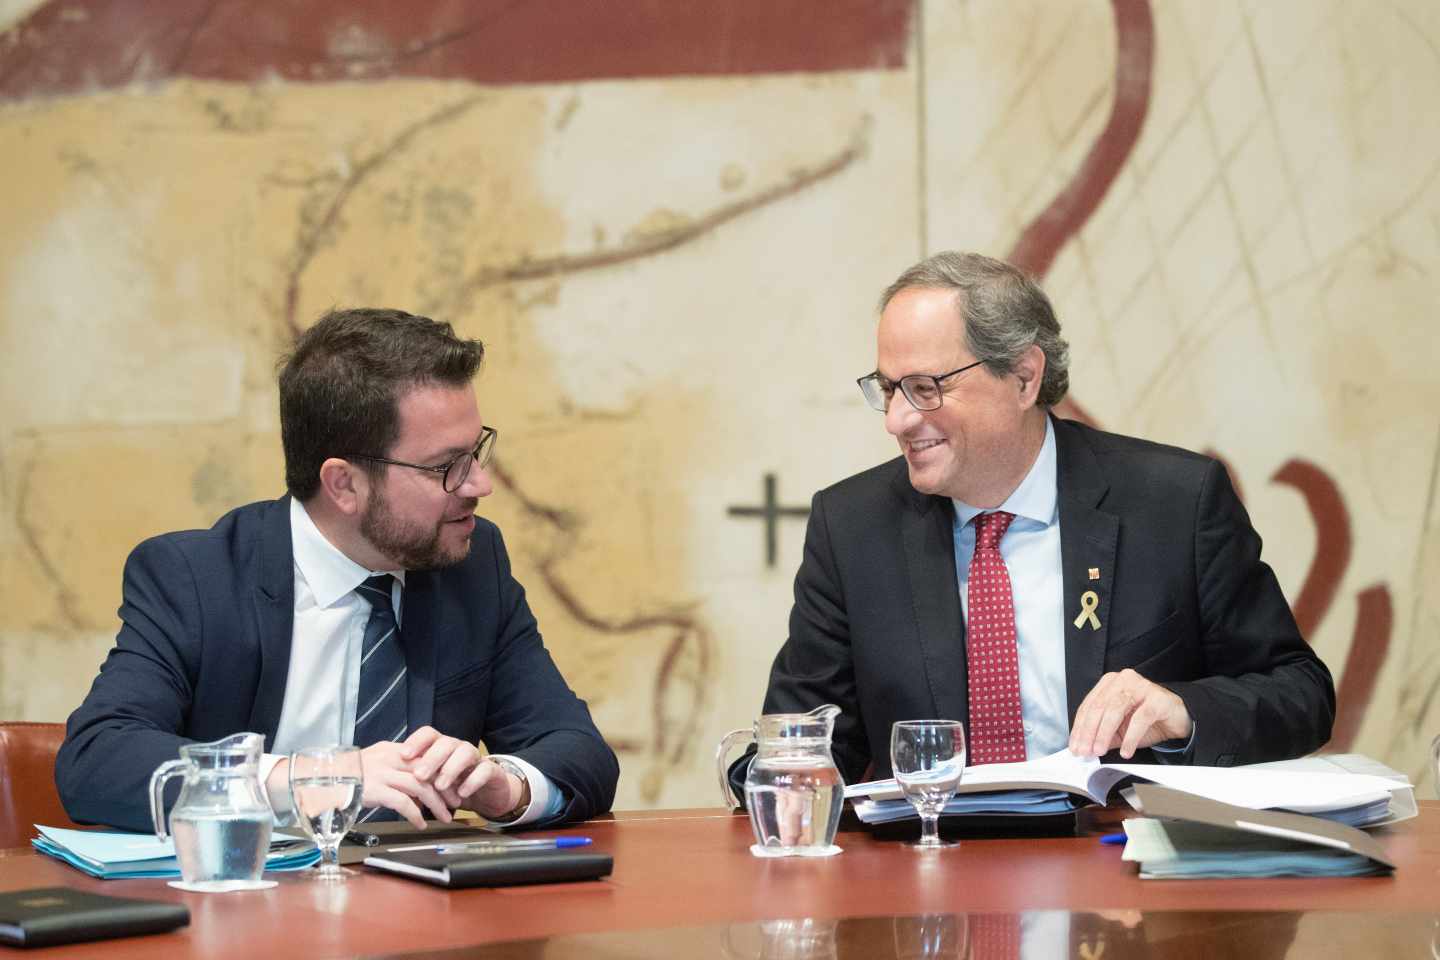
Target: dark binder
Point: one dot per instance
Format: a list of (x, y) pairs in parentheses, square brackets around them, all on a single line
[(505, 869), (47, 916), (979, 826)]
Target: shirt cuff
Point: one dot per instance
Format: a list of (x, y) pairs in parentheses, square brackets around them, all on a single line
[(546, 799), (1175, 746), (281, 808)]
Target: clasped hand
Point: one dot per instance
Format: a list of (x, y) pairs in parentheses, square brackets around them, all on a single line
[(433, 771), (439, 772)]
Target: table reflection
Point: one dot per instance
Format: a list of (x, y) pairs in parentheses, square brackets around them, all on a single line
[(1098, 935), (804, 938)]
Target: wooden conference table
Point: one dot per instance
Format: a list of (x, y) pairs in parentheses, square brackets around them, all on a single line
[(685, 885)]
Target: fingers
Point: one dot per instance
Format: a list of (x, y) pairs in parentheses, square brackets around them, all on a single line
[(789, 817), (1117, 710), (461, 760), (418, 742), (428, 796), (434, 757), (405, 795), (1137, 732), (393, 799), (491, 791), (486, 773), (1126, 711), (1087, 719), (1104, 709), (390, 782), (380, 789)]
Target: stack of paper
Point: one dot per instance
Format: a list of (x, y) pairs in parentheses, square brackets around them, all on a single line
[(113, 855), (1062, 782), (1205, 839)]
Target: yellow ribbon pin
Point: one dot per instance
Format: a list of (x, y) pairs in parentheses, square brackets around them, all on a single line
[(1089, 602)]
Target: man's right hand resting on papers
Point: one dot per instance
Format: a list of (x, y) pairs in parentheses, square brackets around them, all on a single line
[(428, 770)]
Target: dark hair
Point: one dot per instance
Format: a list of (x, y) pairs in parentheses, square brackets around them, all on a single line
[(1004, 313), (341, 385)]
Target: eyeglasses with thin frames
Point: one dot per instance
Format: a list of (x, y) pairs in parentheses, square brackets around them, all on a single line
[(453, 472), (921, 389)]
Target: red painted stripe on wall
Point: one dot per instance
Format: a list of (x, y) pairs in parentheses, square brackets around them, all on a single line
[(74, 46)]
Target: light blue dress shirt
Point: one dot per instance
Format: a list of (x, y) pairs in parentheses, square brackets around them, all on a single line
[(1031, 550)]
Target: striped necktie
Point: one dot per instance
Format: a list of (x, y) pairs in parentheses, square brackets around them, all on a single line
[(381, 705)]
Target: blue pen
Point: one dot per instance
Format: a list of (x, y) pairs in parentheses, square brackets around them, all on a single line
[(501, 846), (1111, 839)]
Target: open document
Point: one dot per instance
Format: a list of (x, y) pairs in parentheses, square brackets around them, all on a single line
[(1062, 782)]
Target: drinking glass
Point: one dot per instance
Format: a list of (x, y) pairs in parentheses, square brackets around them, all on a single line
[(326, 787), (932, 936), (928, 757)]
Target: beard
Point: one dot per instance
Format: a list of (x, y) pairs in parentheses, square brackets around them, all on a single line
[(414, 546)]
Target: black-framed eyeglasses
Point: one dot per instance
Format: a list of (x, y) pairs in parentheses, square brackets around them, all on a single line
[(452, 473), (921, 389)]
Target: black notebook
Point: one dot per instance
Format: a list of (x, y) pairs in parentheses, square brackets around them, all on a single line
[(506, 869), (47, 916)]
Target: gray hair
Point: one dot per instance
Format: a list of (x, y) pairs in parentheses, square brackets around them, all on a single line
[(1004, 313)]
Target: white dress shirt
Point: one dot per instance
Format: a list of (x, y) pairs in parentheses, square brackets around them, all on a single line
[(323, 682), (1031, 550)]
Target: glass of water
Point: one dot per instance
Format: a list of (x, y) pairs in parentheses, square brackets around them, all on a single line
[(326, 786), (928, 757)]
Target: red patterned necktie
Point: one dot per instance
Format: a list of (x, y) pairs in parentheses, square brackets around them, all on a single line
[(994, 936), (997, 733)]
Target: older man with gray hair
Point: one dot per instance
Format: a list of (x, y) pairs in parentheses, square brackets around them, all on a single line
[(1053, 585)]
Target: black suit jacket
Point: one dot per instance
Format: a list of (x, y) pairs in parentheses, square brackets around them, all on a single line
[(1184, 599), (204, 652)]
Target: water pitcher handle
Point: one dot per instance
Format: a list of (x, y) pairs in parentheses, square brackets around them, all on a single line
[(171, 768), (723, 769)]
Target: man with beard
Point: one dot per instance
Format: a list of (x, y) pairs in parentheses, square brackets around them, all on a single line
[(369, 606)]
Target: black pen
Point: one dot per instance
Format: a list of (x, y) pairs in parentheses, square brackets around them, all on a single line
[(362, 838)]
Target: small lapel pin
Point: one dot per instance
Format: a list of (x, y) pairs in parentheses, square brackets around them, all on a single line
[(1089, 601), (1094, 573)]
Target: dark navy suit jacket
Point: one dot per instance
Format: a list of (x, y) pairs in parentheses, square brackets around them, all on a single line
[(204, 651), (1184, 600)]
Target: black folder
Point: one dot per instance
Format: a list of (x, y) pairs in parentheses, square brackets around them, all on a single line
[(493, 869), (47, 916)]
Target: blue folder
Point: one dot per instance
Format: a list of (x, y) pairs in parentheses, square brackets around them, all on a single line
[(116, 855)]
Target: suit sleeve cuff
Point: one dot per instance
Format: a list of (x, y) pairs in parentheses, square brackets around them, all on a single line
[(546, 800)]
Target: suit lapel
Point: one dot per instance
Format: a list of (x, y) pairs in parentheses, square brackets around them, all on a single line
[(274, 617), (927, 534), (1088, 540), (417, 636)]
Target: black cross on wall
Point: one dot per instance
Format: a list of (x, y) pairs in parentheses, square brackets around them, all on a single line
[(772, 512)]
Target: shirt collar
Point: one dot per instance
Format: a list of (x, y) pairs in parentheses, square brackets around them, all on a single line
[(1035, 498), (330, 574)]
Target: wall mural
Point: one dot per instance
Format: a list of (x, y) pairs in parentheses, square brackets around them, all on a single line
[(669, 224)]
